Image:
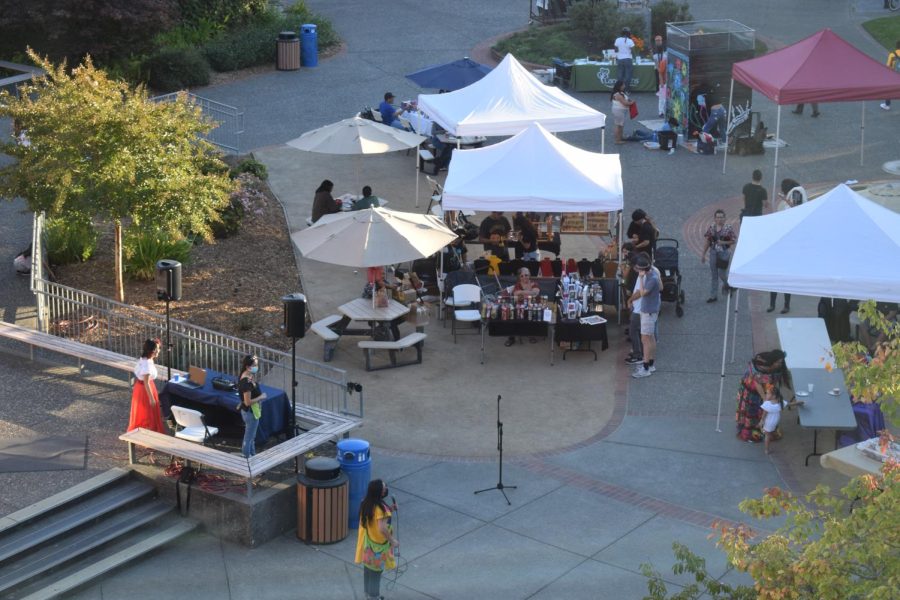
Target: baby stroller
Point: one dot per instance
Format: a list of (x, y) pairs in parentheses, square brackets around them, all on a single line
[(666, 260)]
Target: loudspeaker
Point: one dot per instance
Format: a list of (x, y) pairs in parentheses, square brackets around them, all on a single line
[(168, 280), (294, 315)]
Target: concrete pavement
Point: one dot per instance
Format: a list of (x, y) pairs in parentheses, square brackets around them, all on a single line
[(610, 470)]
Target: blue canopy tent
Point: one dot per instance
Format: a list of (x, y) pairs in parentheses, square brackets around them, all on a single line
[(450, 76)]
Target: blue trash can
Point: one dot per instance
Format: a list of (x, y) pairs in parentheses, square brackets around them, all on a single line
[(309, 45), (356, 463)]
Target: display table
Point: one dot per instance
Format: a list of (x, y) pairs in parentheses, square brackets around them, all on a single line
[(821, 410), (218, 407), (573, 331), (806, 343), (851, 462), (601, 76)]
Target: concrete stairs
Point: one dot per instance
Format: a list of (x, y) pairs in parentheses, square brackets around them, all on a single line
[(65, 541)]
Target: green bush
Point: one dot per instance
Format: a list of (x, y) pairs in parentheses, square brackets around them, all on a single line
[(230, 219), (190, 34), (227, 12), (252, 166), (297, 14), (668, 11), (250, 46), (171, 69), (143, 249), (69, 240)]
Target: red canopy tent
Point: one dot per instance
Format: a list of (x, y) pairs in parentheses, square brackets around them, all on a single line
[(805, 72)]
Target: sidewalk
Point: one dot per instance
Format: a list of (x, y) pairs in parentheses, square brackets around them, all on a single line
[(610, 471)]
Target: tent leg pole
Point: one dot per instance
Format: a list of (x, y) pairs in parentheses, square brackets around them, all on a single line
[(862, 133), (417, 165), (728, 126), (722, 372), (619, 271), (737, 298), (777, 144), (603, 140)]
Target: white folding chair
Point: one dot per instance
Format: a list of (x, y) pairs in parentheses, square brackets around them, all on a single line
[(467, 294), (193, 427)]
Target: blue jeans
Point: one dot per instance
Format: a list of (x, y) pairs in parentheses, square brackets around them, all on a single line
[(251, 424), (715, 274), (716, 120), (626, 68), (396, 123)]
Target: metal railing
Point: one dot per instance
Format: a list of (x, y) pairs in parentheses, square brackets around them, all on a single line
[(229, 120), (122, 328)]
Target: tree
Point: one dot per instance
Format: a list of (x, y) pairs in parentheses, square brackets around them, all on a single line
[(102, 150), (829, 547)]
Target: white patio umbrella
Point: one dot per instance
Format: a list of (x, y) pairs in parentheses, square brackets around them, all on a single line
[(359, 136), (372, 237)]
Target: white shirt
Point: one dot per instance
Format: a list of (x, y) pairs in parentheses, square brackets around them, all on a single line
[(145, 366), (773, 415), (636, 304), (623, 47)]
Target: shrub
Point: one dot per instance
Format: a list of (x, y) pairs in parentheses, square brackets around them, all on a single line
[(227, 12), (69, 240), (248, 198), (250, 46), (599, 23), (668, 11), (143, 249), (172, 69), (252, 166), (297, 14), (230, 219)]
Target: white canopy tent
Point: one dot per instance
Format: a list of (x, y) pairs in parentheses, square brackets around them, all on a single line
[(533, 171), (506, 101), (840, 245)]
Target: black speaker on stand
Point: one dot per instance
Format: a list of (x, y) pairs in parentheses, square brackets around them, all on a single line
[(168, 288), (294, 328)]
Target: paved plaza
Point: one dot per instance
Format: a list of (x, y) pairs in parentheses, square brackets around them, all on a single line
[(610, 470)]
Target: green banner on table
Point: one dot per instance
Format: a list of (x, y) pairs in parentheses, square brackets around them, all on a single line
[(600, 77)]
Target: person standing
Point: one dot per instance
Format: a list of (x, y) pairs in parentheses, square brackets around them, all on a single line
[(619, 103), (251, 396), (720, 237), (659, 59), (815, 109), (642, 233), (624, 58), (324, 203), (755, 197), (649, 291), (766, 369), (893, 63), (145, 408), (375, 540)]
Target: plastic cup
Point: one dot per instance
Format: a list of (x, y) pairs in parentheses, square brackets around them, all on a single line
[(810, 388)]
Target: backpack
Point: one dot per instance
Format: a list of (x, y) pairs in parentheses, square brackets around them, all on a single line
[(896, 64)]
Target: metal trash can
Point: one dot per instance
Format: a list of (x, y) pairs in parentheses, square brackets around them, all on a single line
[(322, 502), (288, 54), (355, 461), (310, 41)]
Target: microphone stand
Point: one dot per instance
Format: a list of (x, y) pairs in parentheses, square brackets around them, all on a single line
[(499, 485)]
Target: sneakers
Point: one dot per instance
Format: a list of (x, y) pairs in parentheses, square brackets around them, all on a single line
[(652, 369), (633, 360), (711, 299), (671, 151), (641, 372), (885, 106)]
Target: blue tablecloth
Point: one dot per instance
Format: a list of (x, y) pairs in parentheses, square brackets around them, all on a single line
[(218, 407)]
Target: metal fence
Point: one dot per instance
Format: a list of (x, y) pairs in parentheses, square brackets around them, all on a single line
[(122, 328), (229, 120)]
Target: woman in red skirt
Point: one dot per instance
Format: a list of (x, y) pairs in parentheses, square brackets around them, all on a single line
[(145, 409)]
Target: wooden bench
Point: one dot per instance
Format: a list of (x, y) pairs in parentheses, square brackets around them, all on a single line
[(326, 426), (83, 352), (322, 329), (416, 340)]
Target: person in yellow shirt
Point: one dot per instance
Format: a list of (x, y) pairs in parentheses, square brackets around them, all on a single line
[(375, 541), (893, 62)]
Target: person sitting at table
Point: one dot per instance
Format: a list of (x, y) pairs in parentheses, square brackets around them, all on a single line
[(493, 231), (251, 396), (442, 152), (528, 238), (324, 203), (524, 287), (389, 114), (455, 253), (368, 200)]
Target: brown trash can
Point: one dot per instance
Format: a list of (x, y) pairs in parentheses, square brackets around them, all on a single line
[(323, 496), (288, 51)]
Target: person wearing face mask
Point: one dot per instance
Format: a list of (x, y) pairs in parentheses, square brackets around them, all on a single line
[(251, 396), (375, 541), (145, 408)]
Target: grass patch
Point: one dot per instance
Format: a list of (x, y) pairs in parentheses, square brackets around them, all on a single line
[(885, 30)]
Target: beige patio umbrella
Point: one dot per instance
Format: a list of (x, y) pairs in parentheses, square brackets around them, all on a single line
[(372, 237), (359, 136)]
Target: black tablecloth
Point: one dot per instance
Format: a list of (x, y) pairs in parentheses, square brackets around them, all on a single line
[(218, 407), (571, 330), (516, 327)]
